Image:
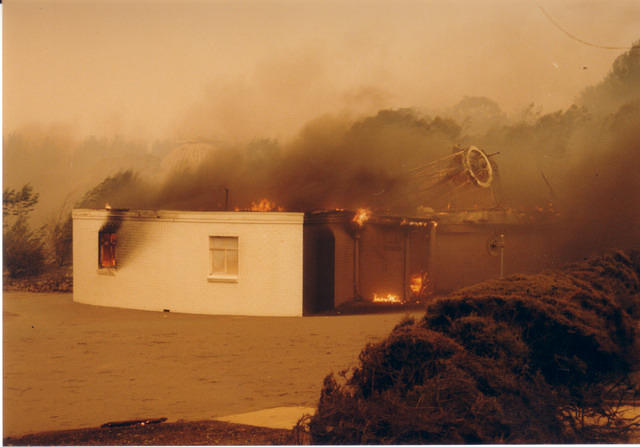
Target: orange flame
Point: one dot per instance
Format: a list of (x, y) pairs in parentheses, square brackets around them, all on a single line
[(388, 298), (265, 205), (415, 283), (362, 215), (419, 283), (413, 223)]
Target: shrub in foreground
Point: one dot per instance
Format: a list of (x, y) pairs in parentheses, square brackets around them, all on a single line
[(541, 358)]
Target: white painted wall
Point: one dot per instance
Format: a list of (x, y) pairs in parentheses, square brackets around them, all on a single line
[(163, 262)]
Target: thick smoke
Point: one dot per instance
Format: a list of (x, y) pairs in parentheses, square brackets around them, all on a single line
[(331, 164), (62, 166), (603, 190), (584, 159), (581, 161)]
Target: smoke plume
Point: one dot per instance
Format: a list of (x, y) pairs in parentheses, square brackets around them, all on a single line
[(331, 164), (581, 161)]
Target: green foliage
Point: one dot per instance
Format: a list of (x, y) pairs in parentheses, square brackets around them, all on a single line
[(542, 358)]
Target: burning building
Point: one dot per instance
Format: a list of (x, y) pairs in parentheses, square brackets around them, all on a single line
[(358, 256), (264, 261), (290, 264), (247, 263)]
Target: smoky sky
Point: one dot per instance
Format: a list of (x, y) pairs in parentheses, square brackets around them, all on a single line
[(324, 106), (241, 70)]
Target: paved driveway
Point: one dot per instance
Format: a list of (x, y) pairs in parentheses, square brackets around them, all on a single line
[(69, 365)]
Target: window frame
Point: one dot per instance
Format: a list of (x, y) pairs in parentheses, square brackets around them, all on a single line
[(223, 276), (112, 243)]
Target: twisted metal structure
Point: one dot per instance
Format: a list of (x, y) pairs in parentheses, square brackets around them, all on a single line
[(463, 168)]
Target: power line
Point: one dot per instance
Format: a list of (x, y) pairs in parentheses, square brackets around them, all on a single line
[(574, 37)]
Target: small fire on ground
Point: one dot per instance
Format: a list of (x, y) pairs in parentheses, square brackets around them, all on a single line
[(388, 298)]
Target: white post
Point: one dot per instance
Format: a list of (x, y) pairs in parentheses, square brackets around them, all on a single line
[(432, 256), (501, 255)]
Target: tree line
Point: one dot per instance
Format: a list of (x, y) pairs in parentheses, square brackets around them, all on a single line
[(28, 252)]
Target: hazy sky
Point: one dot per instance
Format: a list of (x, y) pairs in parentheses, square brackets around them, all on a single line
[(245, 69)]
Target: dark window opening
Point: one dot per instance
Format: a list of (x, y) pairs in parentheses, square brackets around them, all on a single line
[(107, 248)]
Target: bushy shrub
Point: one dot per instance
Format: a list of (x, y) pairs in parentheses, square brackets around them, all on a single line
[(532, 358), (23, 251)]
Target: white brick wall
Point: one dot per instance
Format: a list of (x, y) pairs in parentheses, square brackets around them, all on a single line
[(163, 262)]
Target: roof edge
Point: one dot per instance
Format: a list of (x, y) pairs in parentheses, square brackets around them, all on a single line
[(190, 216)]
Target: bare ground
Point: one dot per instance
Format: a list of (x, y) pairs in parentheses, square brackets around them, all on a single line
[(175, 433), (69, 365)]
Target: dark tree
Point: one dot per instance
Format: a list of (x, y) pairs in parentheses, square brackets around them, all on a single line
[(18, 203), (60, 238), (23, 250)]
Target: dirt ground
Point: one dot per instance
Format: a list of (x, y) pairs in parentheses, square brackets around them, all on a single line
[(69, 365), (168, 433)]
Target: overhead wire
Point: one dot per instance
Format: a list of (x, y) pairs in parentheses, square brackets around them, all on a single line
[(573, 36)]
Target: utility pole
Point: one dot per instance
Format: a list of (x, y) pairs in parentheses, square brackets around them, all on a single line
[(500, 245), (494, 244)]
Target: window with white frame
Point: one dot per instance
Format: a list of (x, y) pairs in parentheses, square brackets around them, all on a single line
[(223, 257)]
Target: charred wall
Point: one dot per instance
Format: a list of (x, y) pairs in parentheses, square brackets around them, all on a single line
[(462, 258), (344, 261), (319, 269), (381, 260), (389, 256)]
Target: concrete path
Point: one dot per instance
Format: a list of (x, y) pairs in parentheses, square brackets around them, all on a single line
[(279, 417)]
